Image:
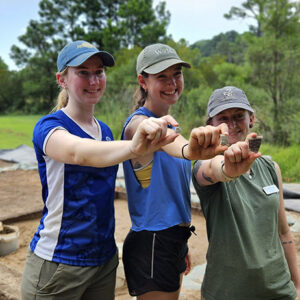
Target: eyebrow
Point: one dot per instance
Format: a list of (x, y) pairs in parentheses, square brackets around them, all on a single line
[(237, 110), (84, 67)]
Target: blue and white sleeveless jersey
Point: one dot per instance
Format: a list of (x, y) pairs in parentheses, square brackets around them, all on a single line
[(166, 202), (77, 226)]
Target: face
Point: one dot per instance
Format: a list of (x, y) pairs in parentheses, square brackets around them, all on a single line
[(164, 87), (85, 83), (238, 121)]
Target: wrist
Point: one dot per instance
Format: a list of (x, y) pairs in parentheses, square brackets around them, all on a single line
[(224, 175), (132, 153), (182, 152)]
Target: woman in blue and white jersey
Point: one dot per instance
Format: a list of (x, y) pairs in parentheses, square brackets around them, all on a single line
[(73, 253)]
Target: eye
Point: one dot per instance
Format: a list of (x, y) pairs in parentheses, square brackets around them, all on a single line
[(178, 74), (239, 116), (161, 76), (99, 73), (222, 119), (83, 74)]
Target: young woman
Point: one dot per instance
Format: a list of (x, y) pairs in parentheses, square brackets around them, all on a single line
[(73, 254), (251, 253), (155, 252)]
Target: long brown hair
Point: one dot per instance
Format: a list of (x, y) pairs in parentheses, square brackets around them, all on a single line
[(140, 95)]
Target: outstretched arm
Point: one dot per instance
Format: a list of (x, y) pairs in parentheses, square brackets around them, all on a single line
[(204, 143), (237, 160), (150, 135)]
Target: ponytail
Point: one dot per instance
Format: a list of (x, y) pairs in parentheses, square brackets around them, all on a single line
[(63, 96), (140, 95)]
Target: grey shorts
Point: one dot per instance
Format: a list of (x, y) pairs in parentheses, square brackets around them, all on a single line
[(44, 279)]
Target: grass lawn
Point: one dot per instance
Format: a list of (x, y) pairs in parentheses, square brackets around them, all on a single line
[(16, 130)]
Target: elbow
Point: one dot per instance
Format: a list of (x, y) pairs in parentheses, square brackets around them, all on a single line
[(78, 157), (284, 233)]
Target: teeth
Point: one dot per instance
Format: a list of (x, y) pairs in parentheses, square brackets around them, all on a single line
[(170, 93)]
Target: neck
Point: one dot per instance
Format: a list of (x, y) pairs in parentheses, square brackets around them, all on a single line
[(157, 108), (81, 114)]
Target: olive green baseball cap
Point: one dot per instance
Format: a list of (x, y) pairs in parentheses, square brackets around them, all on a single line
[(156, 58)]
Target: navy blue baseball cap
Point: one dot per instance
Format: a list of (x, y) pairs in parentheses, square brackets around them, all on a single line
[(76, 53)]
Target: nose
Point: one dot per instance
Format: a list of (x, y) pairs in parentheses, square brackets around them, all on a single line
[(172, 81), (231, 123), (93, 79)]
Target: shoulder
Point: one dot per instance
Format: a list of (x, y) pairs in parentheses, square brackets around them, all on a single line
[(133, 125), (272, 166)]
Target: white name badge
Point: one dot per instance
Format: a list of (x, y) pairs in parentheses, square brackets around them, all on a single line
[(271, 189)]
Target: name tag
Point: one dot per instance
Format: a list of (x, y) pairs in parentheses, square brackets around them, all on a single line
[(271, 189)]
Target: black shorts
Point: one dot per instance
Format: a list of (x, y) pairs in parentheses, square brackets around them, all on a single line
[(154, 260)]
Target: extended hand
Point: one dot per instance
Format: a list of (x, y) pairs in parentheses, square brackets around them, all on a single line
[(204, 142), (152, 134), (238, 158)]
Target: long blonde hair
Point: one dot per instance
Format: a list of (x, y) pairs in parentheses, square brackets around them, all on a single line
[(63, 96)]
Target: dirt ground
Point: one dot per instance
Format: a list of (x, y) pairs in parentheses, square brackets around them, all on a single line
[(25, 185)]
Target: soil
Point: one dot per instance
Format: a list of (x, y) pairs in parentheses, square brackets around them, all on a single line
[(25, 186), (25, 213)]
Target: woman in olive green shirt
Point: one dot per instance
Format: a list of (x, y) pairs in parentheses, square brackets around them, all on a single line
[(251, 253)]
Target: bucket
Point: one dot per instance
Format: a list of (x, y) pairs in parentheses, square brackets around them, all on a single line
[(9, 239)]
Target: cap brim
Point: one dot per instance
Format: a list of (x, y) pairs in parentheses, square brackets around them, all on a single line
[(106, 58), (220, 108), (162, 65)]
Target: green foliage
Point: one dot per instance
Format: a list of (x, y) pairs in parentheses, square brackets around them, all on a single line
[(16, 130), (263, 62), (11, 97), (287, 158), (273, 55), (229, 45), (112, 25)]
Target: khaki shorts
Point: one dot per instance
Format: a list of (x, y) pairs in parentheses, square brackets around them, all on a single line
[(202, 298), (44, 279)]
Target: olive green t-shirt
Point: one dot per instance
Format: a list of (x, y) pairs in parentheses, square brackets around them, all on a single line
[(245, 259)]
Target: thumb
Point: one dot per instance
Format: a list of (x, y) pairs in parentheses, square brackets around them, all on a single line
[(223, 127), (167, 140), (251, 135), (253, 156), (170, 120)]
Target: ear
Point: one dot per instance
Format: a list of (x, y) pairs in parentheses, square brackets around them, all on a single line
[(61, 80), (142, 82), (251, 120)]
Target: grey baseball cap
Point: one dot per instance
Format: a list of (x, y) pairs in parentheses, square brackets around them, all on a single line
[(225, 98), (156, 58)]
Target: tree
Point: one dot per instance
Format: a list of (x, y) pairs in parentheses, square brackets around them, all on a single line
[(108, 24), (11, 97), (230, 45), (253, 9), (274, 57)]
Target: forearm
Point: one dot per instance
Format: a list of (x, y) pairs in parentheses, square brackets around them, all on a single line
[(88, 152), (102, 154), (291, 257), (209, 172), (175, 149)]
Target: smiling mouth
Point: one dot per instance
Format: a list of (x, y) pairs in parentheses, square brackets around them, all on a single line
[(170, 92), (92, 91)]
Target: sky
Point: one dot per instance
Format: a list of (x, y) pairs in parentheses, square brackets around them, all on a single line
[(192, 20)]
